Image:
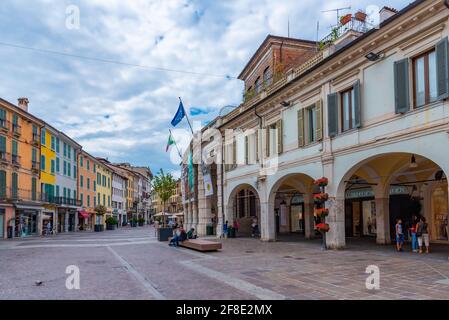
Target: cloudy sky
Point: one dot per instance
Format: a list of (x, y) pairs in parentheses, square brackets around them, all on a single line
[(123, 112)]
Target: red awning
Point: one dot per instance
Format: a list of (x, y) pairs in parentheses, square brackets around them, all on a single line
[(84, 214)]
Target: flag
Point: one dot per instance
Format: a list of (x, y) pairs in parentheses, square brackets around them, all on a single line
[(208, 188), (180, 114), (170, 142)]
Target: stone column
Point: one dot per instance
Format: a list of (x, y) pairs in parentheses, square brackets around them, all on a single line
[(383, 220), (55, 221), (220, 205), (308, 219), (335, 238), (202, 206), (66, 221), (40, 222), (267, 223), (76, 221)]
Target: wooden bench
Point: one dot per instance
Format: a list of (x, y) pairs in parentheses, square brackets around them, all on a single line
[(200, 245)]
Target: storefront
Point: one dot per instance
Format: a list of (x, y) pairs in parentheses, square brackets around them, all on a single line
[(84, 220), (27, 221), (297, 222), (48, 222), (440, 214)]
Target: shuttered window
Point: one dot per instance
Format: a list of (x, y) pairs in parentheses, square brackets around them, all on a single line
[(43, 137), (33, 189), (34, 155), (301, 128), (401, 86), (58, 164), (14, 148), (332, 108), (280, 136), (442, 60), (14, 185), (2, 118), (425, 79), (2, 184), (2, 144), (42, 162)]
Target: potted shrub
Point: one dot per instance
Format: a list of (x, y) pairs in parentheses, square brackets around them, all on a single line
[(323, 182), (323, 227), (111, 223), (134, 222), (322, 212), (141, 222), (361, 16), (100, 211)]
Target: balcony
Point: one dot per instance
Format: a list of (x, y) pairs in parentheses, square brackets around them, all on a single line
[(16, 130), (35, 166), (4, 157), (36, 139), (11, 194), (64, 201), (16, 160)]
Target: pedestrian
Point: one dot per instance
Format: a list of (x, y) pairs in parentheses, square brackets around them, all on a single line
[(254, 227), (413, 230), (423, 235), (176, 238), (399, 236), (236, 226), (192, 234), (225, 229), (48, 228), (156, 227)]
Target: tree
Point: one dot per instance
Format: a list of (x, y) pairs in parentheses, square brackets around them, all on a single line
[(165, 186)]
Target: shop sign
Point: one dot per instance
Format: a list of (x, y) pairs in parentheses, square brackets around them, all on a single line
[(369, 193), (297, 199)]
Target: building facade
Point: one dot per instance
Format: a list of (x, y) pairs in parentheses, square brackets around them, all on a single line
[(368, 111), (87, 189), (104, 189), (20, 199)]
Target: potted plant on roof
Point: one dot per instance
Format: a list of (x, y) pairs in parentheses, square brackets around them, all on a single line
[(100, 212), (111, 223), (345, 19), (360, 16)]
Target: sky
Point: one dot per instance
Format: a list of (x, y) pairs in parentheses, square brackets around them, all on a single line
[(142, 55)]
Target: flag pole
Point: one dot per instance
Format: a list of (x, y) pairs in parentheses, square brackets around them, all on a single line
[(176, 145), (187, 117)]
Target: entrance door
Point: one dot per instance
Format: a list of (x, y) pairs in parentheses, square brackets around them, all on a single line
[(297, 223)]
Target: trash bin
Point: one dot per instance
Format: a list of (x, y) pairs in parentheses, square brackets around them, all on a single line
[(164, 233), (9, 232), (209, 230)]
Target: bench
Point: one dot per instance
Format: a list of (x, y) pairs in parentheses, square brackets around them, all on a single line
[(200, 245)]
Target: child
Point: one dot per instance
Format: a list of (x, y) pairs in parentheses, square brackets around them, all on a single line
[(399, 236)]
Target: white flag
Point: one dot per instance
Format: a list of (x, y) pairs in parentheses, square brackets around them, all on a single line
[(208, 188)]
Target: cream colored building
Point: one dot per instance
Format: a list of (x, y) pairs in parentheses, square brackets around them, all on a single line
[(368, 111)]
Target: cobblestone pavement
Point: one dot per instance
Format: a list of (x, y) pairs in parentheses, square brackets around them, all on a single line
[(131, 264)]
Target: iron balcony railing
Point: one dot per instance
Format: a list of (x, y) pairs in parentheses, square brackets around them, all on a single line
[(16, 194), (4, 125), (36, 138), (16, 159), (4, 157), (338, 31), (16, 129), (35, 165), (65, 201)]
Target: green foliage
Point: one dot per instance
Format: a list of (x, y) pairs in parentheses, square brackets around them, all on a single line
[(100, 210), (141, 220), (164, 185), (111, 221)]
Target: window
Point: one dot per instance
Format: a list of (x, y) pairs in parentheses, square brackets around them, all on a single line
[(14, 148), (33, 189), (88, 165), (2, 184), (57, 145), (69, 152), (425, 79), (81, 161), (347, 104), (64, 167), (312, 124), (82, 181), (65, 192), (74, 172), (99, 179), (65, 149), (88, 200), (2, 118), (258, 85), (57, 191), (109, 182), (69, 193), (15, 123), (95, 185), (104, 181), (3, 146), (95, 168), (104, 200), (267, 77), (82, 198), (109, 201), (34, 156), (69, 170), (42, 162), (15, 185), (88, 184), (53, 143), (57, 165), (52, 166), (95, 201), (43, 137)]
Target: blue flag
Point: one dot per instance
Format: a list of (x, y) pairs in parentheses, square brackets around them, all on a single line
[(180, 114)]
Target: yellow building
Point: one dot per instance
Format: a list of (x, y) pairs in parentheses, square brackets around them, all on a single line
[(104, 189), (49, 165)]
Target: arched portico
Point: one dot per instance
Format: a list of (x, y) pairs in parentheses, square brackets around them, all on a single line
[(382, 188)]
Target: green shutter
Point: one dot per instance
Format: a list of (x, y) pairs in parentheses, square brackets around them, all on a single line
[(401, 86), (2, 114), (442, 57), (2, 184), (246, 150), (267, 142), (357, 107), (301, 128), (332, 110), (257, 145), (34, 155), (33, 189), (15, 119), (14, 185), (319, 120), (3, 144), (14, 148), (280, 136)]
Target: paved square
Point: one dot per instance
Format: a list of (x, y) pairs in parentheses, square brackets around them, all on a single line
[(131, 264)]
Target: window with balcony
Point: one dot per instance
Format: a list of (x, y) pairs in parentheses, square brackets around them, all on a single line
[(15, 185), (35, 134), (15, 124), (34, 159), (425, 79), (2, 148), (2, 184)]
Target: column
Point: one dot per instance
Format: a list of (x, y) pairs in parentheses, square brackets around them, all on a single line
[(202, 206), (76, 221), (267, 222), (335, 238), (309, 222), (66, 221), (40, 222), (383, 220)]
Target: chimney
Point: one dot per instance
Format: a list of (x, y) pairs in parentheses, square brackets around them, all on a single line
[(386, 13), (23, 104)]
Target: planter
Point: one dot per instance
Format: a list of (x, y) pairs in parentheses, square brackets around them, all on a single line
[(361, 16), (99, 228), (133, 224), (164, 233), (141, 224), (346, 19), (110, 227)]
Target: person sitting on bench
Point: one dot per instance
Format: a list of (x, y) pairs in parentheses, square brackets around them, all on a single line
[(191, 234), (180, 235)]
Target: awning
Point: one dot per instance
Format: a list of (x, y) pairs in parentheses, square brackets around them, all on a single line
[(84, 214)]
